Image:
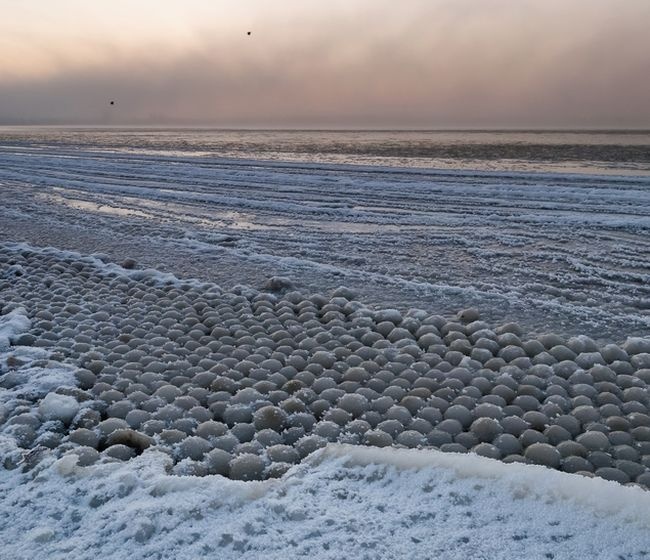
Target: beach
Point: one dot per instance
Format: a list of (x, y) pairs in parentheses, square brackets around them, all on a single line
[(216, 356)]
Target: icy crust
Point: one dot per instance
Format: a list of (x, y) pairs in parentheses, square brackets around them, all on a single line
[(248, 383), (344, 501), (531, 482)]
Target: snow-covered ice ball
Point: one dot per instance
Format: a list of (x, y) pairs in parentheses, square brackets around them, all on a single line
[(531, 436), (631, 468), (600, 459), (466, 439), (460, 413), (594, 441), (358, 374), (639, 394), (338, 416), (487, 450), (120, 409), (414, 403), (377, 438), (556, 434), (570, 423), (357, 427), (310, 443), (612, 353), (168, 393), (612, 473), (437, 438), (119, 451), (536, 420), (420, 425), (468, 315), (130, 438), (345, 292), (277, 470), (636, 345), (451, 426), (486, 429), (168, 413), (526, 402), (563, 354), (323, 383), (431, 414), (543, 454), (487, 410), (574, 464), (172, 436), (254, 447), (512, 352), (218, 461), (58, 407), (302, 419), (283, 454), (388, 315), (398, 333), (129, 263), (641, 360), (411, 438), (270, 417), (327, 430), (247, 395), (391, 426), (244, 432), (585, 414), (268, 437), (507, 444), (354, 403), (399, 413), (570, 447), (87, 455), (84, 437), (227, 442), (237, 414), (247, 467)]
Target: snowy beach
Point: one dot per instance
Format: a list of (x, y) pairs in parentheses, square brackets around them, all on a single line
[(224, 358)]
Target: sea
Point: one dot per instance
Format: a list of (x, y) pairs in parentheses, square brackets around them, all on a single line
[(603, 152)]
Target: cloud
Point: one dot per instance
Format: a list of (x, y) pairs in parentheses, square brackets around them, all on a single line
[(418, 64)]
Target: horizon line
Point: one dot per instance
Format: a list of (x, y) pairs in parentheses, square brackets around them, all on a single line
[(191, 126)]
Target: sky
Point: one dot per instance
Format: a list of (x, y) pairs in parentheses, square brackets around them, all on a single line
[(327, 63)]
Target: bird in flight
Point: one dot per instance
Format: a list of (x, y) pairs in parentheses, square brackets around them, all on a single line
[(248, 33), (112, 102)]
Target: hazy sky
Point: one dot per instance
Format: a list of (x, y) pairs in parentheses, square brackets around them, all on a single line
[(368, 63)]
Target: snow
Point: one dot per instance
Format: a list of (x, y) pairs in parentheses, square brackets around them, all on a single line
[(560, 252), (370, 503), (12, 324), (58, 407), (35, 381)]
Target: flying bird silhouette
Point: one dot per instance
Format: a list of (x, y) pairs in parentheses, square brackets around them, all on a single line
[(248, 33), (112, 102)]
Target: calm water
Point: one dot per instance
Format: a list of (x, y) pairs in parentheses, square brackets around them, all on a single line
[(605, 152)]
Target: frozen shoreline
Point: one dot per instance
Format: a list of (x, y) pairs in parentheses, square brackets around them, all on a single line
[(553, 252), (239, 223)]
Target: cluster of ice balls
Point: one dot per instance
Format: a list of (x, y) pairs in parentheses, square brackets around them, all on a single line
[(248, 384)]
